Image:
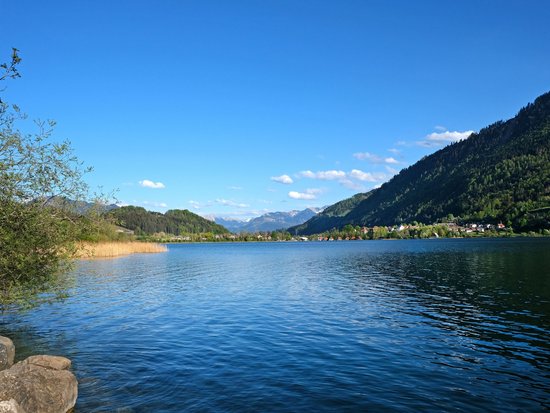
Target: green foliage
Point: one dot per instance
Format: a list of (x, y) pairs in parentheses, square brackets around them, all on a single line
[(36, 235), (34, 241), (500, 174), (175, 221)]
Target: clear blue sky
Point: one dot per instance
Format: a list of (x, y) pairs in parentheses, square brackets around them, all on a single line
[(234, 108)]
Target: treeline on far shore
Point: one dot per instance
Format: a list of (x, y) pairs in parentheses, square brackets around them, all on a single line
[(416, 231)]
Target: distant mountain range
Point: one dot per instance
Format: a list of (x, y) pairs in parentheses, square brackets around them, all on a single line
[(80, 207), (271, 221), (501, 174)]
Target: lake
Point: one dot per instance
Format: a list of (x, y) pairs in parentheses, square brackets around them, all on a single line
[(415, 325)]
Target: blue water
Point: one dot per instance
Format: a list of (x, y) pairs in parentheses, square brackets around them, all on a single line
[(432, 325)]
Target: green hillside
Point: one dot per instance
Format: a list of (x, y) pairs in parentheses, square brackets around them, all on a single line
[(501, 174), (174, 221)]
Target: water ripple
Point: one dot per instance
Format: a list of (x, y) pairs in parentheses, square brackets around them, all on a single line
[(435, 325)]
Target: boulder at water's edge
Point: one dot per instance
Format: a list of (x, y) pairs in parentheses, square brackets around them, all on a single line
[(37, 384)]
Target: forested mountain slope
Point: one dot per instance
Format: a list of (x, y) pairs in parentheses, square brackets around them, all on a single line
[(174, 221), (501, 173)]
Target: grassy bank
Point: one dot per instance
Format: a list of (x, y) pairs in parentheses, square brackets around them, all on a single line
[(116, 249)]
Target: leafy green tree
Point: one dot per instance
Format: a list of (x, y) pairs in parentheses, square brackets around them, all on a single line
[(38, 226)]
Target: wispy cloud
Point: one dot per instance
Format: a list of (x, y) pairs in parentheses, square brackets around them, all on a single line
[(153, 204), (330, 175), (309, 194), (367, 176), (353, 185), (218, 201), (146, 183), (346, 179), (235, 188), (195, 204), (443, 137), (394, 151), (367, 156), (372, 158), (391, 170), (230, 203), (283, 179), (238, 215)]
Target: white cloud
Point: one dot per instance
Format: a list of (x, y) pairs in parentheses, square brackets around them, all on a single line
[(283, 179), (307, 195), (448, 136), (391, 160), (394, 151), (235, 188), (146, 183), (307, 174), (440, 138), (323, 175)]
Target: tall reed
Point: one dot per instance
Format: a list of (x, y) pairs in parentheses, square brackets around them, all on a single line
[(116, 249)]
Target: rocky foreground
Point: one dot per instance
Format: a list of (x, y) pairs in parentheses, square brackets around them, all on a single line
[(37, 384)]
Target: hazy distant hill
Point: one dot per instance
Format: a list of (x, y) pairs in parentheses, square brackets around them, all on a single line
[(233, 225), (501, 173), (80, 207), (174, 221), (269, 222)]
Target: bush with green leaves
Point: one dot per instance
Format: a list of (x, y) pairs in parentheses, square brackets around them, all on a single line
[(38, 225)]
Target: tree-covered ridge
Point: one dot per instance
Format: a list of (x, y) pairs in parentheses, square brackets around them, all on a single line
[(501, 174), (174, 221)]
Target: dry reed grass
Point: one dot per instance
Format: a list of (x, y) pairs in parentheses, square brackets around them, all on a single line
[(116, 249)]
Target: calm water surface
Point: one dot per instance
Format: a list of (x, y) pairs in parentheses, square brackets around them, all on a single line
[(434, 325)]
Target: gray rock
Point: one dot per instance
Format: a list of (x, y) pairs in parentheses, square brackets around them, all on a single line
[(40, 384), (7, 353), (10, 406)]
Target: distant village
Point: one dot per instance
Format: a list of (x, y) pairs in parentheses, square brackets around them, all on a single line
[(451, 229)]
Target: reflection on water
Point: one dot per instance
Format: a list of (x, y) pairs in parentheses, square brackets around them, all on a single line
[(429, 325)]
